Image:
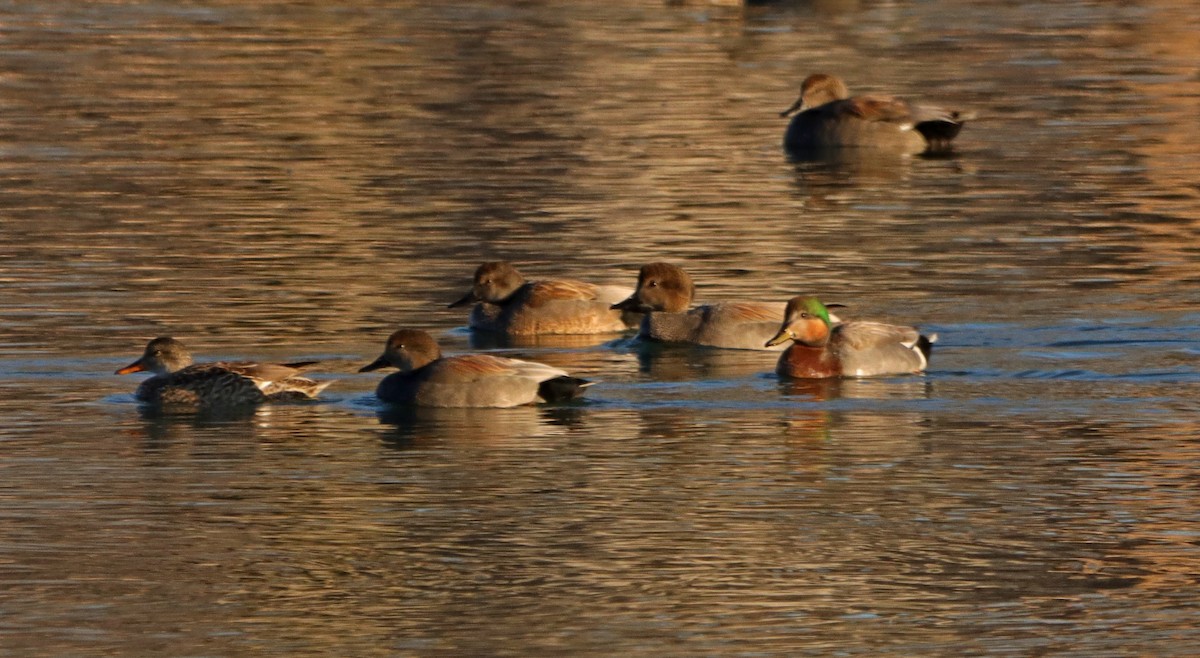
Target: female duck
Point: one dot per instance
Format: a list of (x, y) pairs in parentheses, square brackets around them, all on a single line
[(664, 293), (830, 119), (428, 379), (822, 349), (178, 381), (506, 303)]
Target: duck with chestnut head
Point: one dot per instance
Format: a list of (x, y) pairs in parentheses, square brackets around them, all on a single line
[(665, 292), (829, 118), (428, 379), (506, 303)]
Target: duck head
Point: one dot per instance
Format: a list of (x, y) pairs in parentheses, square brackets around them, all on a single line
[(406, 349), (163, 355), (817, 90), (806, 321), (660, 287), (494, 282)]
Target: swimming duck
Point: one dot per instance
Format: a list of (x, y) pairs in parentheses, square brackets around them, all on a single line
[(428, 379), (822, 348), (664, 293), (506, 303), (178, 381), (829, 118)]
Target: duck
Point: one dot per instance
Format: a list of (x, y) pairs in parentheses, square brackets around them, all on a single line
[(664, 294), (428, 379), (829, 118), (822, 347), (506, 303), (177, 381)]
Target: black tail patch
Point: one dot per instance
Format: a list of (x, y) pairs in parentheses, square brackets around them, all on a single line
[(939, 133), (562, 389), (925, 345)]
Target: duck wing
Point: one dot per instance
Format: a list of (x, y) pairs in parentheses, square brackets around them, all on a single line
[(747, 311), (864, 335), (874, 348), (478, 380), (278, 381), (475, 367), (875, 108), (540, 292)]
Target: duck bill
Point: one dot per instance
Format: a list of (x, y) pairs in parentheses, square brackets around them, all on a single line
[(136, 366), (780, 338), (798, 105), (381, 362), (631, 304), (469, 298)]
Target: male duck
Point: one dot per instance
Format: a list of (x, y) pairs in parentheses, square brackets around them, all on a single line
[(506, 303), (428, 379), (829, 119), (664, 293), (178, 381), (820, 348)]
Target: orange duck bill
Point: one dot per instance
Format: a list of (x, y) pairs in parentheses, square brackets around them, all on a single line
[(136, 366)]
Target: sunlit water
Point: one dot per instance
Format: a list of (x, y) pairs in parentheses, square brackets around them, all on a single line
[(283, 181)]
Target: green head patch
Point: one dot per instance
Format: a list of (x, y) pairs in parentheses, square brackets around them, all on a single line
[(815, 308)]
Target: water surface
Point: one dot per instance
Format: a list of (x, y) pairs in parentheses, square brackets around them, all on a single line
[(286, 181)]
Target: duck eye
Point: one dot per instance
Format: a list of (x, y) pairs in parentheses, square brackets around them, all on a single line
[(804, 315)]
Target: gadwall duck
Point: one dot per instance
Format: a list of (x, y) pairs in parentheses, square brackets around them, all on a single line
[(822, 348), (508, 304), (664, 293), (428, 379), (178, 381), (829, 119)]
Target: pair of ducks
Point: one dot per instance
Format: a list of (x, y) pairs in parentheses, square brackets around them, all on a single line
[(822, 346), (426, 378)]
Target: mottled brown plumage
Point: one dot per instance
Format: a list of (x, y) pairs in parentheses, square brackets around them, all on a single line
[(751, 311), (179, 382), (539, 293)]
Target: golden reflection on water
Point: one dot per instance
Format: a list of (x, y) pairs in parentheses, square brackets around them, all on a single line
[(414, 427), (681, 363), (289, 182)]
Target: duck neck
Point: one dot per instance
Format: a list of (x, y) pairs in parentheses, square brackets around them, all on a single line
[(669, 325), (173, 366), (814, 343), (515, 294)]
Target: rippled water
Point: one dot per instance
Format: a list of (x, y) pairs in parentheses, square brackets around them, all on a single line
[(283, 180)]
